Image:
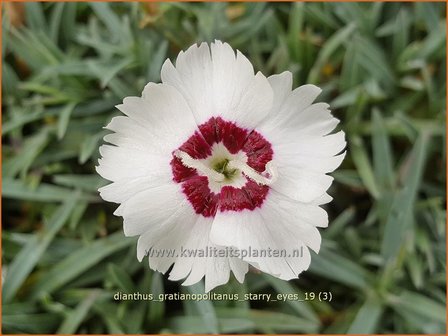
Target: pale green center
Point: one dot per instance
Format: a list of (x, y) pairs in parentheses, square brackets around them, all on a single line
[(222, 167)]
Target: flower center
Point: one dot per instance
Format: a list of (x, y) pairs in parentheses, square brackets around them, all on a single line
[(223, 167)]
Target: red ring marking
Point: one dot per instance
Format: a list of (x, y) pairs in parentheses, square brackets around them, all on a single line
[(235, 139)]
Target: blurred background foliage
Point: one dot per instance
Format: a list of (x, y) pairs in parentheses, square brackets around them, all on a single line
[(382, 68)]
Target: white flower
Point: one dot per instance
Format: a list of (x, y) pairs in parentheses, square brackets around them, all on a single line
[(217, 157)]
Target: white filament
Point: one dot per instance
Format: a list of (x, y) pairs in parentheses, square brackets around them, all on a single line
[(266, 178), (189, 162)]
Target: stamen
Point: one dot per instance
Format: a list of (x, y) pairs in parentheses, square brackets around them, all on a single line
[(189, 162), (268, 177)]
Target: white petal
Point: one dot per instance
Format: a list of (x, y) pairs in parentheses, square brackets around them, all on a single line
[(197, 239), (121, 191), (238, 94), (301, 184), (164, 113), (170, 239), (217, 272), (198, 270), (239, 268), (313, 146), (301, 166), (192, 77), (232, 74), (324, 199), (281, 85), (255, 230), (132, 135), (216, 269), (149, 209), (294, 103), (295, 232), (253, 105), (295, 219), (308, 162), (218, 82), (314, 120), (312, 213), (120, 163)]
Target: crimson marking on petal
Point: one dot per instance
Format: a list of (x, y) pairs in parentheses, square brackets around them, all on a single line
[(180, 172), (204, 201), (209, 131), (216, 130), (232, 136), (257, 193), (199, 146), (249, 197), (196, 146), (258, 151)]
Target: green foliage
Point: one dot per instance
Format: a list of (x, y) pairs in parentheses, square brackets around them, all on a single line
[(381, 67)]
